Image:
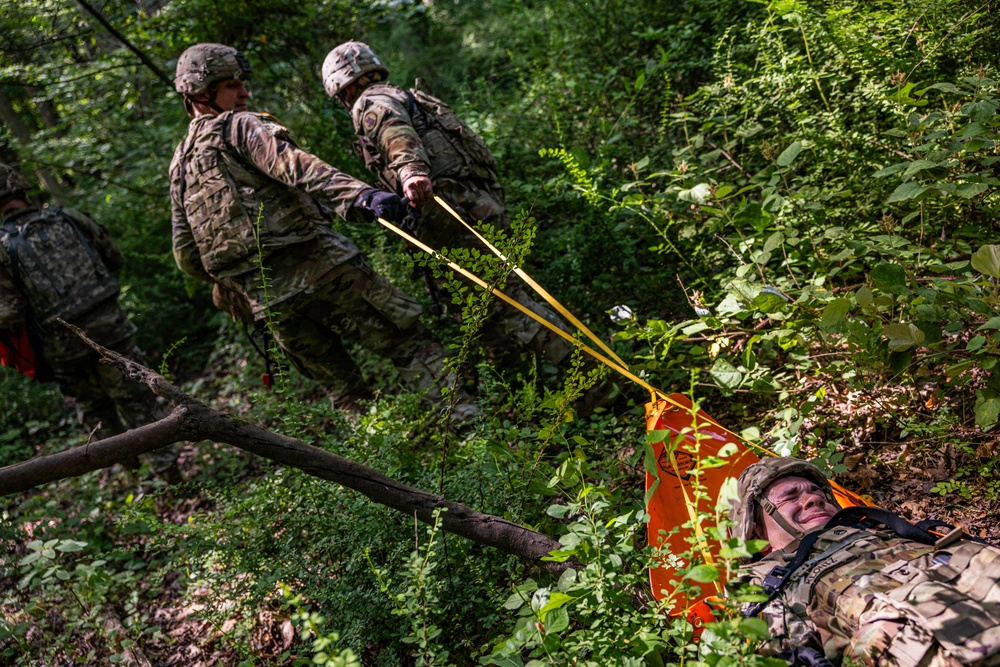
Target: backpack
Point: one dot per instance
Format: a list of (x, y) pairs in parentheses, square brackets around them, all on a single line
[(58, 269)]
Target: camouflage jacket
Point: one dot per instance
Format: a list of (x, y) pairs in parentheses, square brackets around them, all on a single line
[(857, 579), (402, 133), (70, 279), (244, 195)]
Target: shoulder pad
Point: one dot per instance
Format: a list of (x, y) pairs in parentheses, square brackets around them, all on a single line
[(271, 124), (375, 104)]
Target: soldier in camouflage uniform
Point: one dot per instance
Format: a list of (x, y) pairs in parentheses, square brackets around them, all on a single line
[(246, 200), (420, 148), (863, 593), (57, 263)]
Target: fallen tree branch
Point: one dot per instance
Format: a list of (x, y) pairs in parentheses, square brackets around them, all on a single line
[(192, 420)]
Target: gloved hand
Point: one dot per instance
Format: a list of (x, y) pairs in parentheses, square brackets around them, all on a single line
[(378, 204)]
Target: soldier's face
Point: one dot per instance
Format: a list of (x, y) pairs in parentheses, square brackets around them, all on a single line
[(801, 502), (232, 95)]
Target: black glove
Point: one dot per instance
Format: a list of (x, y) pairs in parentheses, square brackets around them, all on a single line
[(378, 204)]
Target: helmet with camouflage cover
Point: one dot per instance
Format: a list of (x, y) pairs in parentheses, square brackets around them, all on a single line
[(12, 182), (202, 65), (754, 481), (347, 63)]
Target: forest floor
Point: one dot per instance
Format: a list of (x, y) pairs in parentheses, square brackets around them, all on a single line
[(894, 469)]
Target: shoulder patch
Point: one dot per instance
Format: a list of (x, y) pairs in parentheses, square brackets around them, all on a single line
[(369, 121)]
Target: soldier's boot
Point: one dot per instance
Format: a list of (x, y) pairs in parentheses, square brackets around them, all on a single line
[(426, 372)]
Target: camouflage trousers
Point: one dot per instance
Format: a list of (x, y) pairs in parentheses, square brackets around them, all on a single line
[(946, 612), (103, 397), (356, 304), (504, 324)]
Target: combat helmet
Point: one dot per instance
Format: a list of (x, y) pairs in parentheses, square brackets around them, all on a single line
[(347, 63), (12, 182), (202, 65), (755, 480)]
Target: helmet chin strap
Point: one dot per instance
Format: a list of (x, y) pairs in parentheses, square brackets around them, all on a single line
[(792, 529)]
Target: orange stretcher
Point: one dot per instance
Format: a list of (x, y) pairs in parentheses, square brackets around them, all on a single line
[(694, 458)]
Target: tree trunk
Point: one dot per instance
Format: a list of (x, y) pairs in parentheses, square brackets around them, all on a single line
[(191, 420)]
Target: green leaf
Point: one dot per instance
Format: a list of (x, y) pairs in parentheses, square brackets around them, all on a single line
[(752, 215), (514, 602), (699, 194), (556, 600), (557, 511), (976, 343), (71, 545), (888, 276), (864, 296), (722, 191), (987, 408), (891, 169), (774, 241), (724, 373), (754, 628), (970, 190), (649, 458), (505, 660), (557, 621), (789, 154), (703, 574), (834, 313), (559, 555), (906, 191), (992, 323), (980, 111), (986, 260), (903, 336), (944, 87), (917, 166), (769, 302)]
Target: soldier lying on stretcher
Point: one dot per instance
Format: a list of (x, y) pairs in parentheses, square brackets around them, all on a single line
[(862, 585)]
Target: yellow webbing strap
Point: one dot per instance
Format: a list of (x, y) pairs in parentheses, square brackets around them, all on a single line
[(620, 368), (562, 310)]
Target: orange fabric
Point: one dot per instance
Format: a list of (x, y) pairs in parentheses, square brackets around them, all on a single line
[(670, 503)]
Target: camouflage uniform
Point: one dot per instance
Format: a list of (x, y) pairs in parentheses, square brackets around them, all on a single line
[(406, 133), (875, 598), (242, 196), (88, 299)]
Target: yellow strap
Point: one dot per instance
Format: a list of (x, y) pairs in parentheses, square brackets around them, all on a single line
[(533, 315), (535, 286), (621, 368)]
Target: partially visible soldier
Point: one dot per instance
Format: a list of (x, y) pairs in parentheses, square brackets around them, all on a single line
[(58, 263), (419, 148), (247, 201), (877, 592)]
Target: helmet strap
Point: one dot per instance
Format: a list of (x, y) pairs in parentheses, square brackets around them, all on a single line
[(795, 531)]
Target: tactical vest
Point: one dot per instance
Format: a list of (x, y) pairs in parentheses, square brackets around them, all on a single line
[(851, 571), (454, 150), (60, 272), (228, 201)]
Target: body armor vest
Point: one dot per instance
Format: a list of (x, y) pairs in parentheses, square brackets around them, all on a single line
[(60, 272), (233, 208), (454, 150)]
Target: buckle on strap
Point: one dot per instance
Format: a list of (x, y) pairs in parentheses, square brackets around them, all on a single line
[(772, 582), (953, 535)]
